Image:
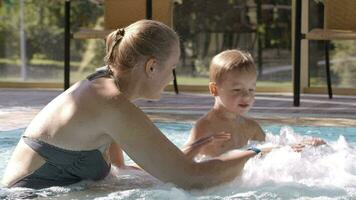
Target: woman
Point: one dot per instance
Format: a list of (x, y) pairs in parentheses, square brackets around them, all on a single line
[(79, 134)]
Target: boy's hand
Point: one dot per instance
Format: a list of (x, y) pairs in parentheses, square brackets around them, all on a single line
[(214, 139)]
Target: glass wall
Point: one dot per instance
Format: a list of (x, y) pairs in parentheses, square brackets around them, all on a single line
[(262, 27), (32, 46), (342, 56), (32, 40)]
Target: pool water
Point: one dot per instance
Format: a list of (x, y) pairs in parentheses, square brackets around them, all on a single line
[(325, 172)]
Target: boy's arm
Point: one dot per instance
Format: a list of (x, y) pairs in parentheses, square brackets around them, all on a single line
[(261, 136), (199, 138), (195, 141), (116, 155), (194, 149)]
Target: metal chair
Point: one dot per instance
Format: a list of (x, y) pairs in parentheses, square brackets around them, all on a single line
[(339, 24)]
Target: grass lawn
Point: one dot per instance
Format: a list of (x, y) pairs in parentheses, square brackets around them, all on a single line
[(182, 80)]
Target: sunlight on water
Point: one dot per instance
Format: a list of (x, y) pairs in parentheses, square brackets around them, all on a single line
[(325, 172)]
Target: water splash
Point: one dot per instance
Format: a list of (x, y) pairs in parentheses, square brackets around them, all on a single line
[(329, 168)]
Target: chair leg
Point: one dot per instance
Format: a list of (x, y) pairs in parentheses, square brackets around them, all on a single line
[(327, 68), (175, 82), (67, 44), (297, 51)]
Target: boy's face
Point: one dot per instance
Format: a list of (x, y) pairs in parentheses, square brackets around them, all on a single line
[(236, 91)]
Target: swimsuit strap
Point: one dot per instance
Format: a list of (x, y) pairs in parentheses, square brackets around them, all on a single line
[(103, 72), (99, 73)]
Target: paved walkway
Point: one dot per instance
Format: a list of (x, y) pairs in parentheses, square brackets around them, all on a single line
[(18, 107), (314, 109)]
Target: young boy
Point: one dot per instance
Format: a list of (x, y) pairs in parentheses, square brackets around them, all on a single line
[(233, 77)]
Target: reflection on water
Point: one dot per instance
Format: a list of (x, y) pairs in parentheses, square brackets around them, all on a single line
[(325, 172)]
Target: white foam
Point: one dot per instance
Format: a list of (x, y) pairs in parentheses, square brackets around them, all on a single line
[(331, 165)]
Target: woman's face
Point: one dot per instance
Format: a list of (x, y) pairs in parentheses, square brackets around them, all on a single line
[(163, 74)]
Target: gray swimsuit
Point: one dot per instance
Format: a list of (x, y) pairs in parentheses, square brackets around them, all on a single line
[(65, 167)]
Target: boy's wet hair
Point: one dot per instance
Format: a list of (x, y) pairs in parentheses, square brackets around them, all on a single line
[(228, 61), (141, 40)]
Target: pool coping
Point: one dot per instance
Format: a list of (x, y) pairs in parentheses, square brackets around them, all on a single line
[(166, 116), (9, 121)]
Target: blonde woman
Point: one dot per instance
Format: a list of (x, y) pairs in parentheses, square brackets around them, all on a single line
[(79, 134)]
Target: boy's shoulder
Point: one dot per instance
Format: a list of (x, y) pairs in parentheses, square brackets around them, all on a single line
[(203, 122), (202, 126), (254, 128)]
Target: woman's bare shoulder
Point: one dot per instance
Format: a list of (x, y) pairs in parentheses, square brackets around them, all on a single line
[(101, 95)]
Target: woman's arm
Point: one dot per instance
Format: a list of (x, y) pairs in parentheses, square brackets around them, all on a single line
[(152, 151)]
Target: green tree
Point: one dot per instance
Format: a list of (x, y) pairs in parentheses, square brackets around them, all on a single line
[(44, 22), (344, 64)]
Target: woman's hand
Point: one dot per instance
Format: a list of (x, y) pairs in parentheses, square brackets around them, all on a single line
[(298, 147), (314, 142)]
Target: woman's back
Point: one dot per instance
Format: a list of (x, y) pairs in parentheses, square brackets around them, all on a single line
[(64, 121)]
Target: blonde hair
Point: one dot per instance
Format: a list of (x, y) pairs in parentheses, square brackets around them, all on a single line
[(230, 60), (140, 40)]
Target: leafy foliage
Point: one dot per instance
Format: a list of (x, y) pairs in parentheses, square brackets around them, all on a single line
[(344, 62), (44, 21)]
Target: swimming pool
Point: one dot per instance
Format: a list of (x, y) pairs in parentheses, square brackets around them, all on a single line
[(326, 172)]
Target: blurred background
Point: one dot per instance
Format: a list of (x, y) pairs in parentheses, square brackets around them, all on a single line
[(32, 41)]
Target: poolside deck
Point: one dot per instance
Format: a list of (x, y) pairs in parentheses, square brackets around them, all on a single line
[(18, 107)]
